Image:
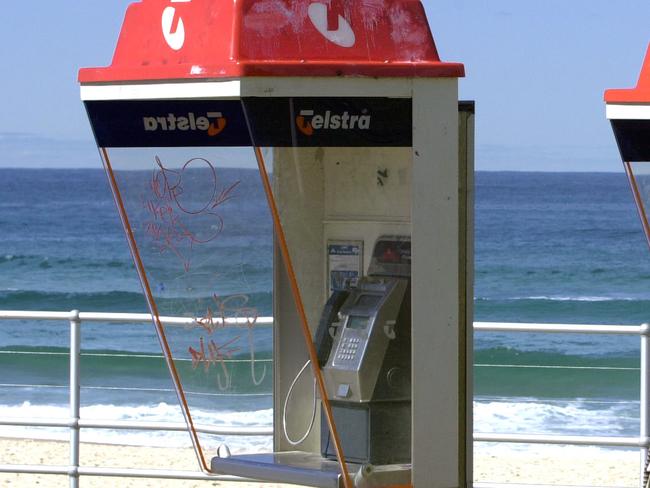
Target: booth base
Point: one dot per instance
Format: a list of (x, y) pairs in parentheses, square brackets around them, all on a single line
[(308, 469)]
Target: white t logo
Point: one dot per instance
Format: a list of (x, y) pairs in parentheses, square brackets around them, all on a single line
[(343, 36), (174, 34)]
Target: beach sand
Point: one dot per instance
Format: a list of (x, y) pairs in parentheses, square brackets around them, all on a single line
[(566, 466)]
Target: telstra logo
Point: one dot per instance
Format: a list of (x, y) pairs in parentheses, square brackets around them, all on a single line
[(327, 20), (212, 123), (173, 27), (308, 122)]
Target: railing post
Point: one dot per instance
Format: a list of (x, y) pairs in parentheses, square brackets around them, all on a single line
[(644, 414), (75, 354)]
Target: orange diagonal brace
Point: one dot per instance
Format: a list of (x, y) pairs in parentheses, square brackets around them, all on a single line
[(160, 330), (638, 199)]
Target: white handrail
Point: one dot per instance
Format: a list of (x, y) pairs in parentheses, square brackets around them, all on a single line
[(75, 423), (570, 440), (561, 328), (127, 318), (137, 425)]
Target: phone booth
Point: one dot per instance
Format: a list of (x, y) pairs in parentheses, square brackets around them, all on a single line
[(295, 178), (629, 113)]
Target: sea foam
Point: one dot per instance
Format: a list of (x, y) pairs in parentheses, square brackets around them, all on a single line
[(491, 415)]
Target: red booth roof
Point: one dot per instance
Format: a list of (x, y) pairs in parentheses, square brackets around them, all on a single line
[(640, 94), (208, 39)]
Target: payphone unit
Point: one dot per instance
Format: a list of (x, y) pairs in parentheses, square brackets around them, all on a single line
[(368, 368)]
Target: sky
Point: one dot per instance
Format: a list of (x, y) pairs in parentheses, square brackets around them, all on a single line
[(536, 69)]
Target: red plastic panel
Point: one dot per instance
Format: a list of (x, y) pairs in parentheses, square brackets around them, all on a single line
[(198, 39), (640, 94)]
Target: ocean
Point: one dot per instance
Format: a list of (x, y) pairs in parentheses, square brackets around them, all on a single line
[(550, 247)]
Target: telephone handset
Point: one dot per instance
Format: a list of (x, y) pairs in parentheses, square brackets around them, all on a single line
[(329, 320)]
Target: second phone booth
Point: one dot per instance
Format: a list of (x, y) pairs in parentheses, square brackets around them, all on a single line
[(294, 179), (628, 110)]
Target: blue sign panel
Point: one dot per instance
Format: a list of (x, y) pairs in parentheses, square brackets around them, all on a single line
[(278, 122)]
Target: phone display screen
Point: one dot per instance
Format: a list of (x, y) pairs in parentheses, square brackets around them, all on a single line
[(356, 322)]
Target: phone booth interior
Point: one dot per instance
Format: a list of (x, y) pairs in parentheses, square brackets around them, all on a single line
[(312, 164)]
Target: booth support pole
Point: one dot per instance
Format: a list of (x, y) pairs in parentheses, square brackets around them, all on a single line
[(466, 287), (438, 441), (644, 433), (75, 353)]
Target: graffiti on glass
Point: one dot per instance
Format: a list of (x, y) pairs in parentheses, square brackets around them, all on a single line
[(183, 207), (231, 311)]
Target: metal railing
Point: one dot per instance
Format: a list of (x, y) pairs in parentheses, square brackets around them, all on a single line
[(642, 441), (74, 423), (643, 330)]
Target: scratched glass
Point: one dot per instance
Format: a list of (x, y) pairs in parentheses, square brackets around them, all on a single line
[(330, 175), (200, 232)]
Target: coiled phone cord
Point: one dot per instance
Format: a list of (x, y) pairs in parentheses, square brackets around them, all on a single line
[(286, 402)]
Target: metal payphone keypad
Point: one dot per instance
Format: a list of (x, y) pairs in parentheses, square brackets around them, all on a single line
[(347, 352), (351, 344)]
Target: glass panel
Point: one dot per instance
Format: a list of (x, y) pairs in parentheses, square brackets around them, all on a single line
[(336, 174), (639, 175), (340, 177), (201, 235)]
